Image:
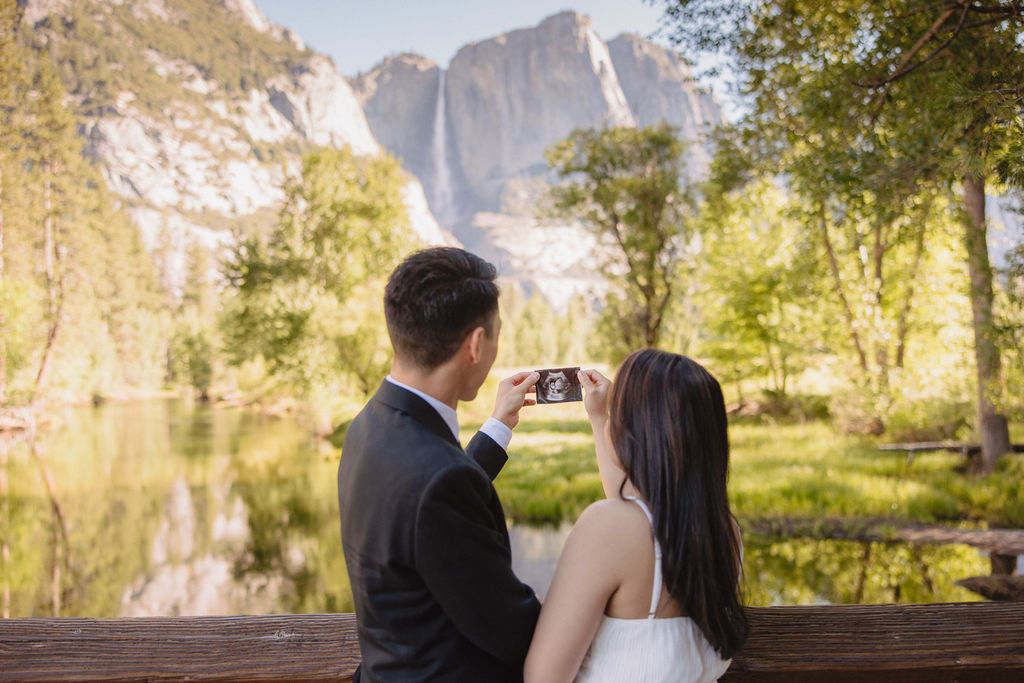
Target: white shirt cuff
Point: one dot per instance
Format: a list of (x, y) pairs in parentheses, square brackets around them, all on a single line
[(497, 430)]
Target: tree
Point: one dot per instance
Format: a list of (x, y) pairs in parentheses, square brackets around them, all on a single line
[(306, 297), (79, 308), (760, 279), (58, 169), (12, 85), (935, 87), (191, 350), (627, 186)]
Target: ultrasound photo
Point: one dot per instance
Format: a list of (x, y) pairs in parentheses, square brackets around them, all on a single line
[(559, 385)]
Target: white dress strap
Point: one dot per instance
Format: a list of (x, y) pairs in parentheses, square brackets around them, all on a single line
[(656, 588)]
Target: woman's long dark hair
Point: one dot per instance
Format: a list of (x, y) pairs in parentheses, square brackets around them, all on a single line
[(668, 428)]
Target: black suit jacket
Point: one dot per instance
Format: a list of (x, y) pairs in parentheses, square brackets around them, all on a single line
[(427, 548)]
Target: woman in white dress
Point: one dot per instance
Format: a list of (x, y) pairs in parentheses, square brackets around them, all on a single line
[(647, 587)]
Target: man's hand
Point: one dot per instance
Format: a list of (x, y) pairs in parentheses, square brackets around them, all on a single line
[(511, 397)]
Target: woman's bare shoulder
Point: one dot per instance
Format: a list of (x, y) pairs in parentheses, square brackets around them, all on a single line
[(612, 517)]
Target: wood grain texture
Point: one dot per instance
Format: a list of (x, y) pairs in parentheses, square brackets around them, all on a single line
[(935, 643), (308, 647), (837, 644)]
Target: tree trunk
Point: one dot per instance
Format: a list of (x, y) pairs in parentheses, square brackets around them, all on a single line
[(3, 309), (5, 526), (837, 281), (878, 294), (992, 425), (55, 293), (908, 299)]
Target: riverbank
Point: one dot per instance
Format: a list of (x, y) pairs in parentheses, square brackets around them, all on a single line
[(801, 471), (48, 413)]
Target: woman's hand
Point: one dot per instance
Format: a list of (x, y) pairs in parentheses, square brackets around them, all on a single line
[(597, 389), (595, 400)]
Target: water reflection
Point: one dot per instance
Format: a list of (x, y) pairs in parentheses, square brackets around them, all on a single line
[(170, 508), (805, 571), (535, 553), (810, 572), (173, 508)]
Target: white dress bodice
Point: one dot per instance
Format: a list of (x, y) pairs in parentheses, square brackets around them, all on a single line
[(651, 650)]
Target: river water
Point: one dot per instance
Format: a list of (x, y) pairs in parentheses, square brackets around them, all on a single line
[(168, 507)]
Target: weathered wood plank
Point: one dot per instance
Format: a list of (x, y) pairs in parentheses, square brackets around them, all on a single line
[(947, 642), (879, 643), (306, 647)]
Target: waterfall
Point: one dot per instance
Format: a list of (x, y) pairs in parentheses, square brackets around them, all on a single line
[(442, 199)]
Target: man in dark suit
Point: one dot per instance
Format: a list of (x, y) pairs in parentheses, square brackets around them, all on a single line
[(422, 528)]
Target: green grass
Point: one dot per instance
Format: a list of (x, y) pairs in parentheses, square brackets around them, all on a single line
[(798, 470)]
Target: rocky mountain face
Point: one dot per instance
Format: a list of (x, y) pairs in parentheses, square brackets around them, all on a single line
[(190, 154), (475, 133), (510, 97), (196, 130), (659, 87)]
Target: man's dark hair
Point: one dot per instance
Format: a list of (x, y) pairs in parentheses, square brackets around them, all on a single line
[(434, 299)]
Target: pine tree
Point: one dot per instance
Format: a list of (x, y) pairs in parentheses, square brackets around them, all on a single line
[(56, 152), (12, 83)]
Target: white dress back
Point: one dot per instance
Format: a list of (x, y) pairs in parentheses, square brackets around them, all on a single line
[(651, 650)]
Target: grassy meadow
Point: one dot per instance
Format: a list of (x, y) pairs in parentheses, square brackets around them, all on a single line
[(794, 470)]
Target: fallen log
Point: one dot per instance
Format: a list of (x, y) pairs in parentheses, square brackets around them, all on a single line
[(996, 587), (880, 530)]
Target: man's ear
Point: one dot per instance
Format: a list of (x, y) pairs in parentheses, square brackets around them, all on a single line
[(472, 343)]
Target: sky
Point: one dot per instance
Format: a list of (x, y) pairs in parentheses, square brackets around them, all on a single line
[(357, 34)]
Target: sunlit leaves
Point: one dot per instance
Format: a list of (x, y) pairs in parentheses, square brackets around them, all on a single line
[(307, 295), (761, 304), (627, 186)]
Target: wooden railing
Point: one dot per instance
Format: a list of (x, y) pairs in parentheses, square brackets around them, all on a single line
[(878, 643)]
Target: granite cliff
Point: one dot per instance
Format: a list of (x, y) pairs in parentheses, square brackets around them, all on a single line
[(475, 132), (196, 109)]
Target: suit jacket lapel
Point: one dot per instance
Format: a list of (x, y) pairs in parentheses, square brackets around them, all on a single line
[(408, 402)]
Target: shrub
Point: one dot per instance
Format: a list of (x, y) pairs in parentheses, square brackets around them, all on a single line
[(929, 419)]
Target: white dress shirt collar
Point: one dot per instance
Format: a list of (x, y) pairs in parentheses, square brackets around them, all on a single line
[(446, 412)]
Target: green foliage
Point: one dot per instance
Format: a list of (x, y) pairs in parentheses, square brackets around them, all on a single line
[(929, 419), (12, 69), (627, 186), (191, 360), (534, 335), (1010, 327), (762, 309), (192, 350), (306, 297)]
